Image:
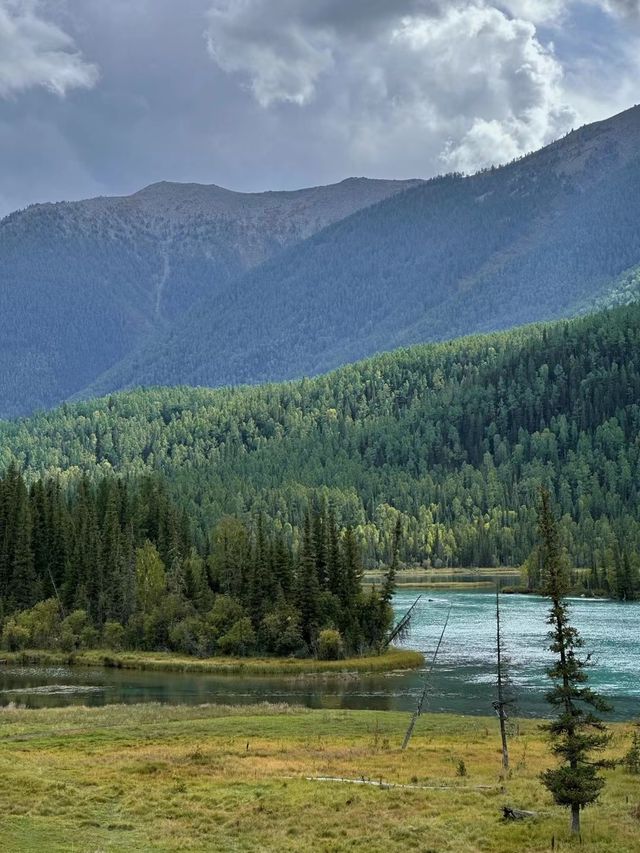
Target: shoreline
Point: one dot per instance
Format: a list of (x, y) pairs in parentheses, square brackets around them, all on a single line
[(394, 660)]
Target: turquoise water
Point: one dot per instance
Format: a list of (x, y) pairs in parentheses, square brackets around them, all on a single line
[(464, 673), (462, 681)]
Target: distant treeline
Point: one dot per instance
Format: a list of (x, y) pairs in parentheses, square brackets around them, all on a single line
[(113, 562), (452, 441)]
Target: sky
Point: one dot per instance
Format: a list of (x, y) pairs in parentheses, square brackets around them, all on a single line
[(103, 97)]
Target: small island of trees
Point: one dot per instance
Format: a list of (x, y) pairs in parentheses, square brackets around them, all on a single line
[(112, 564)]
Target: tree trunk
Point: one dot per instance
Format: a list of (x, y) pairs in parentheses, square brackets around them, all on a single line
[(505, 748), (501, 703), (575, 819)]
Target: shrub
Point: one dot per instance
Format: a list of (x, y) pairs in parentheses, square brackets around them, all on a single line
[(186, 636), (280, 633), (71, 630), (226, 611), (113, 636), (330, 645), (15, 637), (239, 640), (89, 638)]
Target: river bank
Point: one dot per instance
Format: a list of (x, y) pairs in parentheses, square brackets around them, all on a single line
[(395, 659), (165, 778), (447, 578)]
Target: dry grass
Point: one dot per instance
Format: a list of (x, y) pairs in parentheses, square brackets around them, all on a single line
[(149, 777)]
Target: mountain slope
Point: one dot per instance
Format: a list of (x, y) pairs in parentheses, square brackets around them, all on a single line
[(84, 283), (530, 241), (455, 438)]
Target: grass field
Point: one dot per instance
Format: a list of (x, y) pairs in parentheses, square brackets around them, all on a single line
[(392, 660), (149, 777)]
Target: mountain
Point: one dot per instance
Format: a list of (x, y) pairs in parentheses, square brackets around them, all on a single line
[(84, 283), (452, 438), (535, 240)]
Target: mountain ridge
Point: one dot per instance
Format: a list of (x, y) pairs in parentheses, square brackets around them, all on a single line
[(533, 240), (83, 283)]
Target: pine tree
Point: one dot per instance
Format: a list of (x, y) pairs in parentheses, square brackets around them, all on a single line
[(576, 732), (389, 586), (334, 555), (308, 586), (24, 591)]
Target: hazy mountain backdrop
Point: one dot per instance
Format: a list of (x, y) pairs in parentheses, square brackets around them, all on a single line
[(183, 284), (84, 283)]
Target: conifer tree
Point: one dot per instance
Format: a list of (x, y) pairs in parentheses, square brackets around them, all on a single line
[(334, 555), (23, 588), (576, 732), (308, 586)]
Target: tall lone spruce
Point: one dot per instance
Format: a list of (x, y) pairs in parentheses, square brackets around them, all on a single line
[(576, 732)]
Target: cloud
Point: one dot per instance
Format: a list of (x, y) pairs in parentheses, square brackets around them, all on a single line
[(290, 93), (35, 52), (469, 81), (626, 8), (535, 11)]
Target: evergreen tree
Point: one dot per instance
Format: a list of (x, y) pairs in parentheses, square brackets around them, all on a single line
[(576, 732), (308, 586)]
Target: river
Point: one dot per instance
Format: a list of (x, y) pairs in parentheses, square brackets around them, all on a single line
[(462, 680)]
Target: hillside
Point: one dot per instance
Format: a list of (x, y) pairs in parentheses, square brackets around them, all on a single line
[(535, 240), (453, 438), (84, 283)]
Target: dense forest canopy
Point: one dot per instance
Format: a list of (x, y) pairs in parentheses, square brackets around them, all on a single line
[(451, 439), (112, 562)]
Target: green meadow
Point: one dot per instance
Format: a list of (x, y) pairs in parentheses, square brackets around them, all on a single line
[(155, 778)]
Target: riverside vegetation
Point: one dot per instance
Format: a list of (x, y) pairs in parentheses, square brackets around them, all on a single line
[(113, 564), (216, 778)]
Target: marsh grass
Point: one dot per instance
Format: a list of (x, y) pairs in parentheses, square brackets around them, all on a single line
[(395, 659), (151, 777)]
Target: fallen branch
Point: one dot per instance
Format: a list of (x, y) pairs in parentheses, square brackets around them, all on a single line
[(380, 783), (516, 814)]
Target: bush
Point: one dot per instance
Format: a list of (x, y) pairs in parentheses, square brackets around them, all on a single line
[(113, 636), (330, 645), (14, 637), (226, 611), (186, 637), (89, 638), (71, 630), (43, 624), (239, 640), (280, 633)]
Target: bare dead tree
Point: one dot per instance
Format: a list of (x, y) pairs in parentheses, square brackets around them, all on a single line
[(423, 695), (504, 700), (401, 629)]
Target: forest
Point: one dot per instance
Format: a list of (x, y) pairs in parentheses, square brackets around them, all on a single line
[(112, 563), (452, 441)]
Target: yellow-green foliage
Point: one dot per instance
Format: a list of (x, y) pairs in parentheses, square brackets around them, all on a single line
[(151, 778)]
